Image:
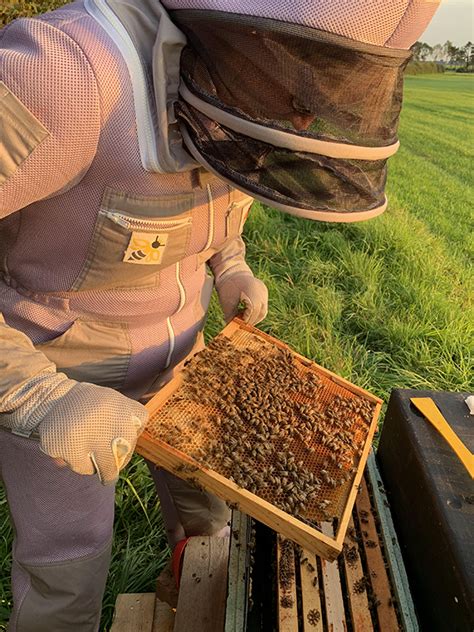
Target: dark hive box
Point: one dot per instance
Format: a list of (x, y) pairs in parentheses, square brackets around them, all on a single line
[(432, 499)]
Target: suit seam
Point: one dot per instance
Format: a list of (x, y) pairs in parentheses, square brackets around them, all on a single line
[(85, 558)]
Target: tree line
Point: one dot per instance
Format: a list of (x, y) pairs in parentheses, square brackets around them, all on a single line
[(460, 57)]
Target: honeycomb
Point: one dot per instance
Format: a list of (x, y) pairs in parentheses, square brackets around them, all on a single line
[(259, 415)]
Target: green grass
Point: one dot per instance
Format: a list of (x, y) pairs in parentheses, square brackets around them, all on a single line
[(12, 9), (384, 303), (424, 67)]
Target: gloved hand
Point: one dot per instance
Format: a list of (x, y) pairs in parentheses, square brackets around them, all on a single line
[(243, 286), (91, 428)]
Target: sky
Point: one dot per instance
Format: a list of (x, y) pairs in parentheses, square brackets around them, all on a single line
[(454, 20)]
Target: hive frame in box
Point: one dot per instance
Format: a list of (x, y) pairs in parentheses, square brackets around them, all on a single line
[(308, 537)]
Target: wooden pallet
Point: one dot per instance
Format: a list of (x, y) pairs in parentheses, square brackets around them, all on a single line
[(202, 595), (141, 612), (327, 545), (213, 591)]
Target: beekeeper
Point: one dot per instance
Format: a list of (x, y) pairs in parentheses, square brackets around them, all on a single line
[(128, 163)]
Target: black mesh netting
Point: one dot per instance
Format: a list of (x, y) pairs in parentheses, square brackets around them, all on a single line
[(292, 77), (304, 180)]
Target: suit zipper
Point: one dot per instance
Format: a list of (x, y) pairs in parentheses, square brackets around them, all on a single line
[(133, 223), (104, 15)]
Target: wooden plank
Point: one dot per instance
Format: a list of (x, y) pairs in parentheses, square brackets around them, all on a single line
[(163, 619), (236, 607), (359, 605), (310, 597), (335, 613), (203, 588), (396, 566), (378, 577), (286, 586), (164, 455), (134, 613)]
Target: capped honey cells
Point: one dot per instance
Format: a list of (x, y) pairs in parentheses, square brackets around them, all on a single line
[(256, 414)]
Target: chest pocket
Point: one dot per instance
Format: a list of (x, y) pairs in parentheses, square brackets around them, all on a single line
[(134, 238), (228, 225), (237, 213)]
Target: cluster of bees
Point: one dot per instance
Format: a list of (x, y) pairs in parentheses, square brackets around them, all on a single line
[(286, 571), (364, 585), (360, 586), (351, 555), (263, 420), (286, 576)]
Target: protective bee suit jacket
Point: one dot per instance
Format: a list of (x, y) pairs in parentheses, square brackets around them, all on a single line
[(103, 254)]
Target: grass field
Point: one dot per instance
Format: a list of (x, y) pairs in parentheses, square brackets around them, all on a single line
[(385, 303)]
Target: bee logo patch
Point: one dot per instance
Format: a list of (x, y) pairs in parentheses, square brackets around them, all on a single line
[(146, 248)]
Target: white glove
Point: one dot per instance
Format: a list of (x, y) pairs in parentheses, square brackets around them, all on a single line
[(243, 287), (91, 428)]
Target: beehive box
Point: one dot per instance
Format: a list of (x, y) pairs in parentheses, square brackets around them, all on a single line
[(365, 590), (276, 435)]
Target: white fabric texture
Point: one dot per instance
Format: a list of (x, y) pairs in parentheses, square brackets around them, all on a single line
[(47, 241), (90, 428), (27, 49), (393, 23), (59, 518)]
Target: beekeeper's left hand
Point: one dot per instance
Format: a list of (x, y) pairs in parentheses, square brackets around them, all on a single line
[(243, 287)]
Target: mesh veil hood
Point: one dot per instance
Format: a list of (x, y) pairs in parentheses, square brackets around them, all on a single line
[(301, 118)]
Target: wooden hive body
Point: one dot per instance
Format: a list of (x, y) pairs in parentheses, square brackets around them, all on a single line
[(233, 584)]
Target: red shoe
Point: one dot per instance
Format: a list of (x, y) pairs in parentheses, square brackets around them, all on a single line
[(167, 584), (177, 560)]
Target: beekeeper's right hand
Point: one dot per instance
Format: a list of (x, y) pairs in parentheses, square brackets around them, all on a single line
[(91, 428)]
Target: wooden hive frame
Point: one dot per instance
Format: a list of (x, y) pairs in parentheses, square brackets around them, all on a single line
[(326, 545)]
